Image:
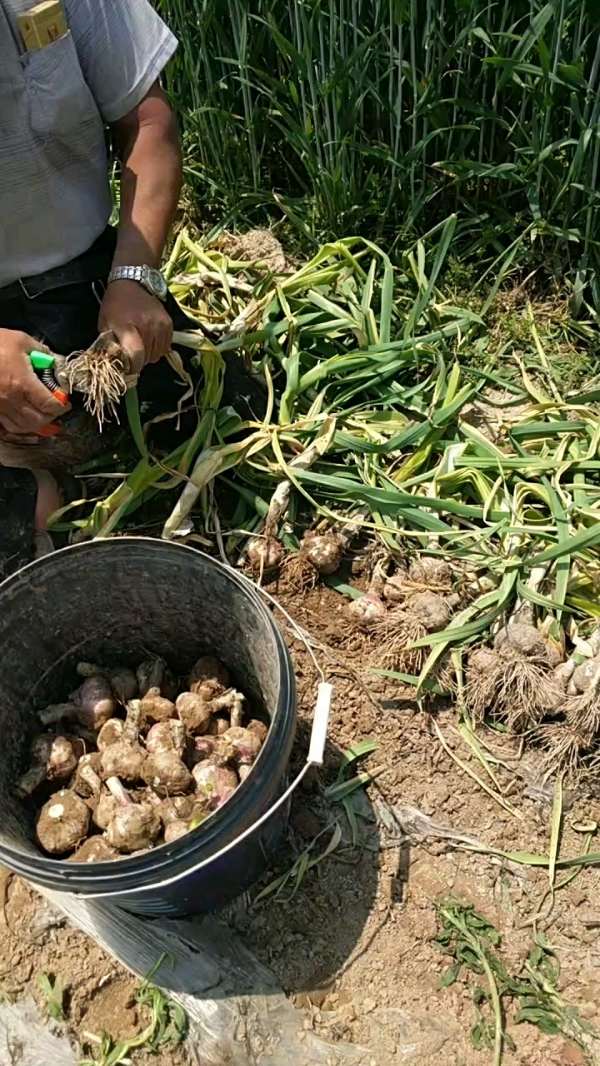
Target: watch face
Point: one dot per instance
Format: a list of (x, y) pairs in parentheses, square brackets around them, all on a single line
[(157, 283)]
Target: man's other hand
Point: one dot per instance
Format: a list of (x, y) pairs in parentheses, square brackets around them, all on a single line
[(26, 406), (141, 323)]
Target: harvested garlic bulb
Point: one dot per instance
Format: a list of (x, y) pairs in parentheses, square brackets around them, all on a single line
[(62, 823)]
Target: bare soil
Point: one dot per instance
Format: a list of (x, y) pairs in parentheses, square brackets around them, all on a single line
[(352, 944), (99, 994)]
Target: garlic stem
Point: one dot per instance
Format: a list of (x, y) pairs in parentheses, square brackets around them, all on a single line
[(116, 789)]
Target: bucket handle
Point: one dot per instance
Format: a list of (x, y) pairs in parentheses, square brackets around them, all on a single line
[(315, 758)]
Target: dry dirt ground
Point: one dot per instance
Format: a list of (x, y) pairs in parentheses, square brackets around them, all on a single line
[(354, 945)]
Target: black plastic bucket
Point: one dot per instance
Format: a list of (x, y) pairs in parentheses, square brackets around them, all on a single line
[(118, 602)]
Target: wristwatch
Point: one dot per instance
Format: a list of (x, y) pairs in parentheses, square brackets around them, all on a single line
[(151, 279)]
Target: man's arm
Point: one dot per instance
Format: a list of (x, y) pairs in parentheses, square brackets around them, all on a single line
[(147, 143), (148, 146)]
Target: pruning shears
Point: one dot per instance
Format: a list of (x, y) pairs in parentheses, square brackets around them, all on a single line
[(47, 367)]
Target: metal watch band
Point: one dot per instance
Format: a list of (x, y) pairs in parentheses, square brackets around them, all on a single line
[(149, 278), (127, 273)]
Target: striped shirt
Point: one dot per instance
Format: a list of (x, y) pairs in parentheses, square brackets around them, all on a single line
[(54, 106)]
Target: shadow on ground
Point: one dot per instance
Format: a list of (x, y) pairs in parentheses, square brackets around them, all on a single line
[(307, 927)]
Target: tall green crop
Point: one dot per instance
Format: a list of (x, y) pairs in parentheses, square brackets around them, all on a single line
[(383, 116)]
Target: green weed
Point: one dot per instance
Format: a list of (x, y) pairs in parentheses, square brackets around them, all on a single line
[(473, 944), (168, 1025), (345, 788), (54, 995)]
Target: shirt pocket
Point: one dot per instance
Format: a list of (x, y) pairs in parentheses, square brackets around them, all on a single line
[(60, 102)]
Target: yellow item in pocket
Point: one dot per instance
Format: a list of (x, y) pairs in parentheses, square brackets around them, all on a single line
[(42, 25)]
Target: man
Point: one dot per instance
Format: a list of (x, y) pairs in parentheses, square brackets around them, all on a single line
[(55, 204), (65, 275)]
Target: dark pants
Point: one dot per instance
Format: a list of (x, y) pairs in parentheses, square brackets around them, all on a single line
[(65, 318), (18, 491)]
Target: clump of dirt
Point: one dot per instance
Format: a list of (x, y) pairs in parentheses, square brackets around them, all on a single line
[(257, 246)]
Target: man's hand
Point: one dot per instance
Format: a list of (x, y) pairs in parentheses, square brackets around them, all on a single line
[(141, 323), (26, 405)]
